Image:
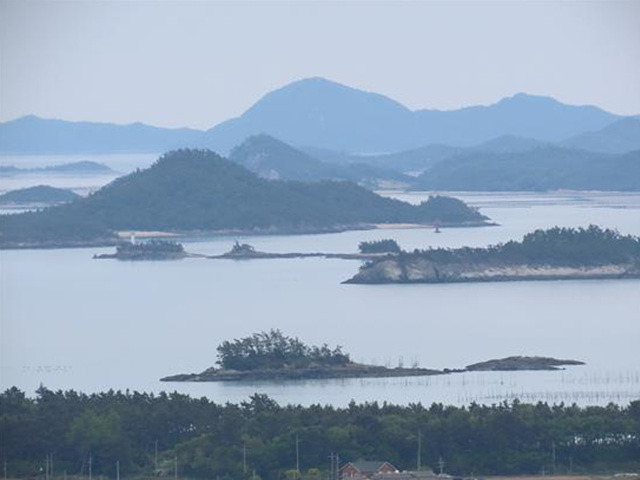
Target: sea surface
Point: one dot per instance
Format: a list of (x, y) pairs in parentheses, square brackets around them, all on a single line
[(70, 322), (81, 184)]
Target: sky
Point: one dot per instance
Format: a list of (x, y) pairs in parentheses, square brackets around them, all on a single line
[(197, 63)]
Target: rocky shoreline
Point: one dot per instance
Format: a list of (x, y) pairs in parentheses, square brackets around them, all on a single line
[(311, 373), (422, 270), (357, 370)]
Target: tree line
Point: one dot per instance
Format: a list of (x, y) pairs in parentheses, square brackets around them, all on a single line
[(231, 441), (555, 246)]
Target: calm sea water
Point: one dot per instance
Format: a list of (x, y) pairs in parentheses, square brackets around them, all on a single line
[(72, 322), (81, 184)]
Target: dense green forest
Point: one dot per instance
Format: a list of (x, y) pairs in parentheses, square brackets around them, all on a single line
[(273, 349), (539, 169), (191, 190), (555, 246), (208, 438)]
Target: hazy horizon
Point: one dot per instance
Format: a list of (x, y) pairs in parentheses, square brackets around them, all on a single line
[(200, 63)]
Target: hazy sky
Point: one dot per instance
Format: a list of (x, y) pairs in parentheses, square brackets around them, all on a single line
[(197, 63)]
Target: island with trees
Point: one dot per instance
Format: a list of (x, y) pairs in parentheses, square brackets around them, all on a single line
[(38, 195), (553, 254), (197, 191), (148, 250), (379, 246), (367, 251), (274, 356), (269, 356)]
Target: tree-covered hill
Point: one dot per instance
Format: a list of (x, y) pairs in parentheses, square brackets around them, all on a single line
[(272, 159), (545, 168), (619, 137), (196, 190), (38, 194)]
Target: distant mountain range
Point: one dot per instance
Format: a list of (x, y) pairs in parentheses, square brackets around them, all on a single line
[(506, 163), (325, 115), (34, 135), (539, 169), (196, 190), (619, 137)]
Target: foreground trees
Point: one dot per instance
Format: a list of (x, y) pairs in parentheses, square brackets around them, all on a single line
[(208, 439)]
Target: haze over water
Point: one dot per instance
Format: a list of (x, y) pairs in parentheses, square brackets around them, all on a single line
[(73, 322)]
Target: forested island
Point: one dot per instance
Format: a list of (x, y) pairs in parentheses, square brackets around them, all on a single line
[(199, 191), (274, 356), (149, 250), (40, 194), (553, 254)]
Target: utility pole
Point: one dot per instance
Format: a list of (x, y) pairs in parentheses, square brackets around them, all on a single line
[(419, 460), (175, 466), (441, 465), (90, 471), (244, 457), (4, 465), (297, 457), (331, 469), (155, 459), (337, 467), (46, 467), (553, 456)]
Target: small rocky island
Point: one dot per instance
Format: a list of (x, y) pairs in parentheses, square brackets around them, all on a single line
[(275, 356), (517, 363), (554, 254), (366, 251), (149, 250), (272, 356)]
